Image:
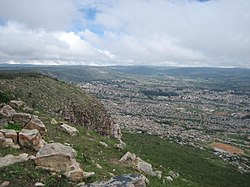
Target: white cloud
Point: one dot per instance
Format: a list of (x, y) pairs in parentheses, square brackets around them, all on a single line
[(169, 32)]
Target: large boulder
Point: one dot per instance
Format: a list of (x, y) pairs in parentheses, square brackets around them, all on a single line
[(36, 123), (31, 139), (72, 131), (61, 158), (11, 159), (129, 180)]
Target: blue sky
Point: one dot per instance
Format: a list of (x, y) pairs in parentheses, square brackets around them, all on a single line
[(126, 32)]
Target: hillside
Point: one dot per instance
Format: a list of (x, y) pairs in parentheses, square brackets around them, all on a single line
[(59, 98), (49, 100)]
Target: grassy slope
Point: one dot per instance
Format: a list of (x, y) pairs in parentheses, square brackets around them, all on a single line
[(45, 93), (199, 168)]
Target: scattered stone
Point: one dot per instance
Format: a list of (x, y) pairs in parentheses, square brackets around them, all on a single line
[(5, 184), (167, 179), (80, 184), (36, 112), (103, 144), (53, 122), (31, 138), (87, 175), (7, 111), (128, 157), (98, 166), (120, 145), (137, 162), (72, 131), (111, 174), (174, 175), (39, 184), (36, 123), (130, 180), (32, 157), (29, 110), (61, 158), (67, 144), (157, 174), (11, 159)]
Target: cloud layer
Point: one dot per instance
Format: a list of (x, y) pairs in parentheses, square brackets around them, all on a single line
[(150, 32)]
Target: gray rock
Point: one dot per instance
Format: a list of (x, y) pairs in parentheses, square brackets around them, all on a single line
[(11, 159), (87, 175), (130, 180), (61, 158), (137, 163), (167, 179), (3, 122), (157, 174), (53, 122), (174, 175), (72, 131), (5, 184), (120, 145), (103, 144), (39, 184)]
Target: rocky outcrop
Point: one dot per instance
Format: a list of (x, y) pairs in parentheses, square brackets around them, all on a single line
[(72, 131), (58, 157), (11, 159), (130, 180)]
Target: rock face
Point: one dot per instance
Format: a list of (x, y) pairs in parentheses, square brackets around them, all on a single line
[(31, 138), (58, 157), (130, 180), (72, 131), (11, 159)]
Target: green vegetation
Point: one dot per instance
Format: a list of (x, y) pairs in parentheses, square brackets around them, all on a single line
[(196, 167), (14, 126), (44, 93)]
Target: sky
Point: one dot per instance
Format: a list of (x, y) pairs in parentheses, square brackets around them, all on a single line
[(126, 32)]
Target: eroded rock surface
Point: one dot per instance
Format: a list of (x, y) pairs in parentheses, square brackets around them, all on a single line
[(31, 138), (58, 157)]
